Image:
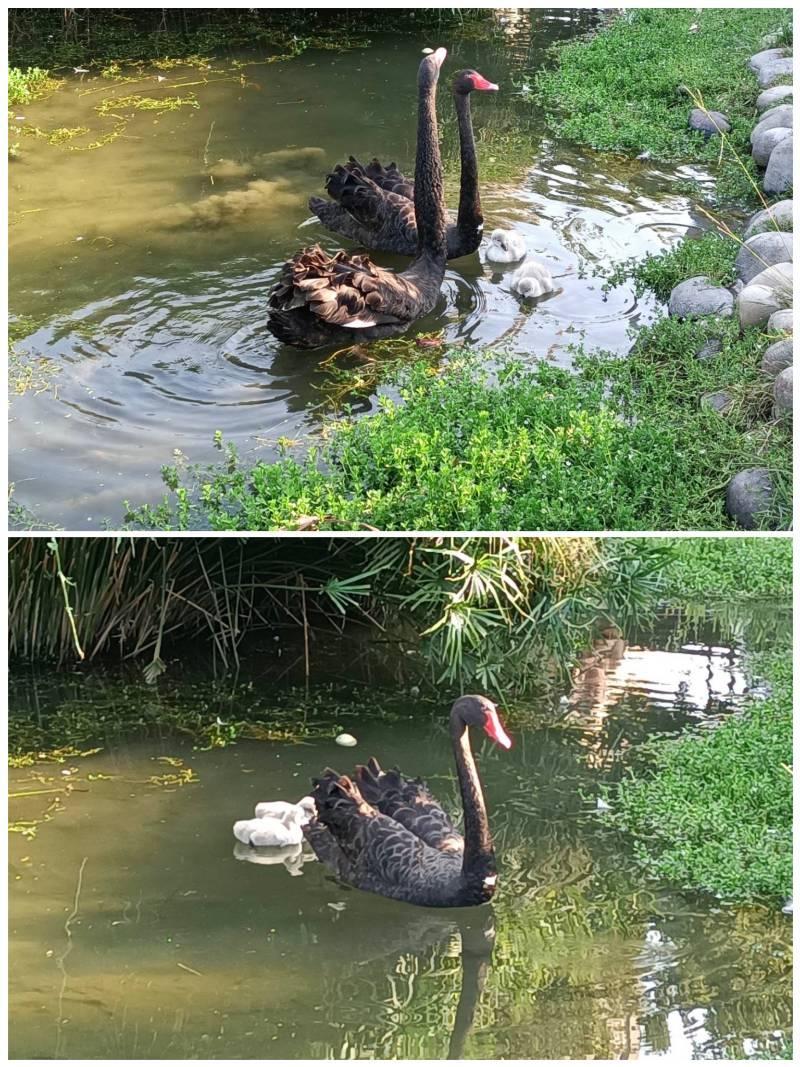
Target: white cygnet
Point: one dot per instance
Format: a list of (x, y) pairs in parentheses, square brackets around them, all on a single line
[(305, 810), (506, 246), (532, 279)]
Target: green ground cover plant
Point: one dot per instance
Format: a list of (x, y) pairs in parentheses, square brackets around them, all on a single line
[(712, 809), (625, 89), (711, 254), (29, 84), (729, 568), (623, 444)]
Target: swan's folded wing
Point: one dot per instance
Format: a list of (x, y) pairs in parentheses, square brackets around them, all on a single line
[(343, 290), (409, 802), (381, 854), (388, 218), (388, 178)]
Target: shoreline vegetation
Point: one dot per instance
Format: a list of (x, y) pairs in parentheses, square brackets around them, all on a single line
[(480, 441)]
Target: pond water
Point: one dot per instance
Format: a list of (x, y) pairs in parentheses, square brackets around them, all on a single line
[(141, 268), (138, 930)]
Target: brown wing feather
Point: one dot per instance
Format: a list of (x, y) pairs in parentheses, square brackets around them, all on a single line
[(345, 290)]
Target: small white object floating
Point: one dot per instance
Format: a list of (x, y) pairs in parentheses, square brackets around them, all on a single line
[(603, 805), (346, 741), (788, 907), (506, 246)]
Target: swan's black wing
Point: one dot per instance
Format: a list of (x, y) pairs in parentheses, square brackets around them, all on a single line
[(409, 802), (361, 210), (388, 178), (379, 854)]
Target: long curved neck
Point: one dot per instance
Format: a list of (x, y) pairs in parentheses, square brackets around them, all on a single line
[(428, 182), (470, 217), (478, 850)]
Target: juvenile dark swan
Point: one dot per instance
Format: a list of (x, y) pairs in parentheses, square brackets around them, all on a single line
[(343, 299), (388, 835), (374, 205)]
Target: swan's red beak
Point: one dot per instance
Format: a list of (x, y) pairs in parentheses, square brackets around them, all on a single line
[(494, 728), (479, 82)]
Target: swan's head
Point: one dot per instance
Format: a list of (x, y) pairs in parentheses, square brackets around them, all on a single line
[(529, 287), (480, 711), (429, 68), (500, 239), (465, 81), (309, 807)]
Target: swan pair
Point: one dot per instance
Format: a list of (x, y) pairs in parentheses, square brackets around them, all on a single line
[(532, 279), (277, 824), (343, 299)]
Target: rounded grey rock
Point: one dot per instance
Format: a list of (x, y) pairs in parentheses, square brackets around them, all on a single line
[(769, 291), (778, 216), (766, 141), (709, 350), (699, 296), (784, 393), (778, 94), (774, 72), (781, 322), (768, 55), (778, 357), (763, 250), (778, 176), (781, 115), (749, 496), (721, 401), (711, 123)]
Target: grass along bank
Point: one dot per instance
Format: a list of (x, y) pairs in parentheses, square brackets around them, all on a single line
[(625, 88), (623, 444), (712, 809), (750, 568)]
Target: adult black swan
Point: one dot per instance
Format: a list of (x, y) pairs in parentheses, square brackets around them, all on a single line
[(341, 299), (373, 205), (387, 834)]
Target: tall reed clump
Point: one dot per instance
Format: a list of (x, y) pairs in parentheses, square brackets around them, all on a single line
[(483, 609)]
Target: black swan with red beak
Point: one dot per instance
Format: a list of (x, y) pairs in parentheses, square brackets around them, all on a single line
[(344, 299), (387, 834), (374, 206)]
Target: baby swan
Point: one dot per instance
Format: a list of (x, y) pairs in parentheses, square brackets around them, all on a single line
[(506, 246), (304, 810), (266, 832), (532, 280)]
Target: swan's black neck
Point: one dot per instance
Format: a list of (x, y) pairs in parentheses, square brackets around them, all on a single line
[(478, 850), (428, 181), (470, 218)]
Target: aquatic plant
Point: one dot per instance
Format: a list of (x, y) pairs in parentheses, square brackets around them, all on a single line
[(622, 444), (712, 809), (737, 568), (30, 84)]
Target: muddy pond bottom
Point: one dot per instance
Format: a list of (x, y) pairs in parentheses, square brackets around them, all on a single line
[(139, 929), (140, 269)]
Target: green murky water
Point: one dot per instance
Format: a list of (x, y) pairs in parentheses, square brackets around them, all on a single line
[(140, 269), (137, 931)]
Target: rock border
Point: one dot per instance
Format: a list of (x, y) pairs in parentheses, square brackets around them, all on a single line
[(762, 296)]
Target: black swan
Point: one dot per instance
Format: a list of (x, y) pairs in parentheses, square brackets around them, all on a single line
[(373, 205), (322, 299), (387, 834)]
